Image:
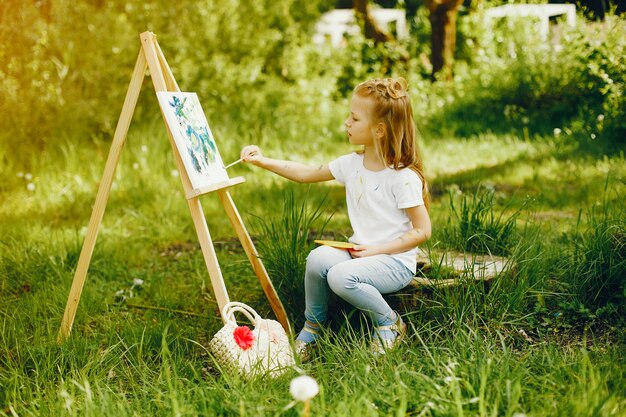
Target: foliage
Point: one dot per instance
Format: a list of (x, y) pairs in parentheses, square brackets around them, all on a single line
[(515, 80), (66, 64), (365, 59)]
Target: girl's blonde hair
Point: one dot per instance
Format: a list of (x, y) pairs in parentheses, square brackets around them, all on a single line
[(398, 146)]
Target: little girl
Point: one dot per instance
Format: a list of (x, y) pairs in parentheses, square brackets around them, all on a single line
[(387, 199)]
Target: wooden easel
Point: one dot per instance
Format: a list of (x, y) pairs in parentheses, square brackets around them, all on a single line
[(151, 57)]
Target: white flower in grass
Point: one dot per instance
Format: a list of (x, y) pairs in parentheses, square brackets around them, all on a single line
[(28, 176), (593, 136), (174, 173), (303, 388), (144, 148), (30, 186), (556, 131), (20, 174), (519, 415), (600, 117), (137, 282), (67, 399), (136, 165)]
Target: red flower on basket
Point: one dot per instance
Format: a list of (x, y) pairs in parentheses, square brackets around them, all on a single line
[(243, 337)]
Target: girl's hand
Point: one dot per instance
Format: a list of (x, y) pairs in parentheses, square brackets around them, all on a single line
[(252, 154), (361, 251)]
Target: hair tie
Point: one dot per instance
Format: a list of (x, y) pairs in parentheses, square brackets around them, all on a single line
[(389, 88)]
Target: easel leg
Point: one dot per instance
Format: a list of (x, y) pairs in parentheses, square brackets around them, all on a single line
[(103, 194), (253, 257), (208, 251)]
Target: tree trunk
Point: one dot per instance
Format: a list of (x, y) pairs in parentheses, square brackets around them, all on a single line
[(443, 35), (371, 28)]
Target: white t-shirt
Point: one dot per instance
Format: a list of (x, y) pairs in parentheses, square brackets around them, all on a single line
[(377, 201)]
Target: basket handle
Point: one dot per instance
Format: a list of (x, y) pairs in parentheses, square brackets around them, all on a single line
[(228, 313)]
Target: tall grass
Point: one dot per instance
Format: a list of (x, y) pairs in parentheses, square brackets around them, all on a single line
[(478, 227), (284, 243), (595, 267)]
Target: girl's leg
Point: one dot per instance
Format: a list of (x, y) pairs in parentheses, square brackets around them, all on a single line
[(319, 261), (362, 281)]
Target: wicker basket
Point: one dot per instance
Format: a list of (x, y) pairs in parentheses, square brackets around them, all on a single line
[(264, 350)]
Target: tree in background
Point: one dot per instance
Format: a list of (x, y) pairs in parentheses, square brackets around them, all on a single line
[(370, 27), (442, 15)]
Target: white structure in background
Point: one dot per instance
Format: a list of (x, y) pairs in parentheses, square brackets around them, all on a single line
[(334, 25), (541, 12)]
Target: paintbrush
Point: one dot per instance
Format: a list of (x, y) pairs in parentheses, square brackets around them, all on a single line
[(237, 161)]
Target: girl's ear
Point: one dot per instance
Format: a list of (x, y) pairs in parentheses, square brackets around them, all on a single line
[(380, 130)]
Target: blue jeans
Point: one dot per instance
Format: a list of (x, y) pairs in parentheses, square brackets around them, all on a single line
[(359, 281)]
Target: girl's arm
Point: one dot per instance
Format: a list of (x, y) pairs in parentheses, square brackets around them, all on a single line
[(414, 237), (294, 171)]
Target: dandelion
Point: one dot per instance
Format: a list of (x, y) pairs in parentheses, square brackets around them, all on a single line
[(303, 388), (450, 379), (593, 136), (489, 186), (119, 296), (556, 131), (454, 189), (67, 399), (30, 186), (600, 117)]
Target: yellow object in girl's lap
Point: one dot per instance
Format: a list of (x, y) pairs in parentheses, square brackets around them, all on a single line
[(336, 244)]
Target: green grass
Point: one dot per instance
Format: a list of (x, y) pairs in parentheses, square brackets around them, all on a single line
[(540, 128), (521, 346)]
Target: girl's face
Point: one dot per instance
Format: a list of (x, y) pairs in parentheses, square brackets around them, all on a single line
[(359, 125)]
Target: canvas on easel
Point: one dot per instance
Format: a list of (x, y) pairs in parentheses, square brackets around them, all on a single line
[(212, 179), (194, 140)]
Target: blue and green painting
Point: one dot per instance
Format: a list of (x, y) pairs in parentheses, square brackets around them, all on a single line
[(193, 137)]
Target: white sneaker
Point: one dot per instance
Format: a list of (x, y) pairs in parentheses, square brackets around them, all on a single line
[(381, 346), (304, 349)]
